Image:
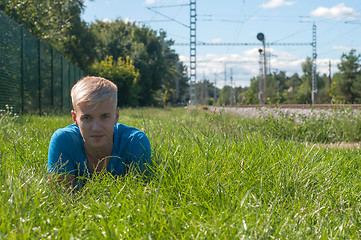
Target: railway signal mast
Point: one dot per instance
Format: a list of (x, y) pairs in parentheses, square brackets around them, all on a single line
[(263, 94)]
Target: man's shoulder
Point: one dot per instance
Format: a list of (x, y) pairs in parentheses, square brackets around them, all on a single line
[(124, 131), (71, 131)]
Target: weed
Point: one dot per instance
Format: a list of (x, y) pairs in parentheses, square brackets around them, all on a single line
[(214, 176)]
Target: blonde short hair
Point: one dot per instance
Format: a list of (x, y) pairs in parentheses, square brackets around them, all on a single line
[(93, 90)]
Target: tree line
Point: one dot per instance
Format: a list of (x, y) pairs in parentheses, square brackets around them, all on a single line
[(138, 59), (344, 87), (148, 71)]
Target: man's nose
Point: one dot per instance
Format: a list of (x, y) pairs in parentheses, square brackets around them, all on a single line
[(97, 125)]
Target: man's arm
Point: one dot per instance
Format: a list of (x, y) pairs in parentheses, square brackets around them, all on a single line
[(140, 152), (66, 181), (60, 166)]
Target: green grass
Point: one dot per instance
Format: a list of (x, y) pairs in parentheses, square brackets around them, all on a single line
[(214, 177)]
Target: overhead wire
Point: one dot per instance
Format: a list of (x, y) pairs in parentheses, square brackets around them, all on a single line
[(240, 20)]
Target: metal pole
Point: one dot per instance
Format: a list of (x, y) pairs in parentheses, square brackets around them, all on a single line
[(52, 77), (22, 85), (264, 72), (69, 101), (314, 57), (39, 76), (193, 52), (61, 83), (215, 90), (260, 93), (231, 89)]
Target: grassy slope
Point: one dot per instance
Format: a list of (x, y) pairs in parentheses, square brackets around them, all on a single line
[(214, 177)]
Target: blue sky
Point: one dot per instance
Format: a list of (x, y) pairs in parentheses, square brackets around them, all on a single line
[(338, 30)]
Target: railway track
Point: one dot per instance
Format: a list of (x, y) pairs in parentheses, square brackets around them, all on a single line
[(299, 106)]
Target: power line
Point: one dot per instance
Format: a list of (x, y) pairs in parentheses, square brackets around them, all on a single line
[(171, 19), (244, 44), (170, 6)]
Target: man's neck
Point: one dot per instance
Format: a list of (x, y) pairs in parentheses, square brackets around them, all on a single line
[(98, 153), (98, 159)]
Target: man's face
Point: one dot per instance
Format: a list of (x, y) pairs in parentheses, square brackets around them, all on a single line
[(96, 123)]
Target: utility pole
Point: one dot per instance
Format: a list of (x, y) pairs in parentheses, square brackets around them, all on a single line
[(314, 57), (225, 74), (215, 90), (231, 89), (329, 72), (260, 79), (193, 52), (178, 68), (206, 91)]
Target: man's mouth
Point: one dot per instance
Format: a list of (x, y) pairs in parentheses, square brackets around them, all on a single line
[(96, 136)]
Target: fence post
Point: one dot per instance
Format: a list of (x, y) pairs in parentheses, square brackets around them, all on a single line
[(39, 76), (52, 77), (61, 83), (69, 101), (22, 46)]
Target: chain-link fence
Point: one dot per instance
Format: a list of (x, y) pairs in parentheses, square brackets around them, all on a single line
[(34, 78)]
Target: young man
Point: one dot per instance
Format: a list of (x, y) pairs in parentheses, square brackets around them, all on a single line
[(96, 141)]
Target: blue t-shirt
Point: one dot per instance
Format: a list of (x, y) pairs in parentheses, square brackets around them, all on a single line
[(66, 155)]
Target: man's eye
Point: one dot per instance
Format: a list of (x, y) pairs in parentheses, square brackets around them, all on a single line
[(85, 118), (105, 116)]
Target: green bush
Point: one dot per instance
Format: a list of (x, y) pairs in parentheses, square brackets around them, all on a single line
[(123, 74)]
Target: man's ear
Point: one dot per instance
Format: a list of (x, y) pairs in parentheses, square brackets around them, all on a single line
[(116, 115), (73, 114)]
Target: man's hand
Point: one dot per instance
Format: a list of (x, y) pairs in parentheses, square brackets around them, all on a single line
[(67, 181)]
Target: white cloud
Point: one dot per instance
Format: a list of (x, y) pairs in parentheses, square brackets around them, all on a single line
[(246, 65), (276, 3), (338, 12), (216, 40), (107, 20), (342, 48), (345, 49), (150, 2), (128, 20)]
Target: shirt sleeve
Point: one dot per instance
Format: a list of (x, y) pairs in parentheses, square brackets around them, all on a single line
[(59, 160), (139, 151)]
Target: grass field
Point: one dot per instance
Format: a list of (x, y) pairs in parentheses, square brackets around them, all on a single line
[(214, 177)]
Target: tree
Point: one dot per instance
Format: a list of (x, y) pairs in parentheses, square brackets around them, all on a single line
[(123, 74), (58, 23), (252, 96), (224, 94), (158, 64), (303, 94), (324, 87), (241, 95), (346, 86), (291, 86), (45, 19), (276, 83)]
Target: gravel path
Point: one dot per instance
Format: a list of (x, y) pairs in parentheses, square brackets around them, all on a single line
[(298, 113), (261, 112)]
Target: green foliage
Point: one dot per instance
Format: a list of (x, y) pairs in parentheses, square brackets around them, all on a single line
[(214, 176), (346, 86), (57, 23), (123, 74), (224, 96), (281, 89), (46, 19), (158, 65), (333, 126)]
